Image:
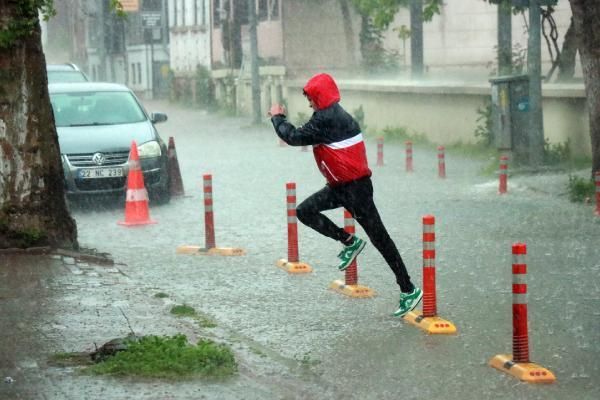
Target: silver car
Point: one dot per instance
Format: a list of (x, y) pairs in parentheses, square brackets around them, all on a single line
[(96, 124)]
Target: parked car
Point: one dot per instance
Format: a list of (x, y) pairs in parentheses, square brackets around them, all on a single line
[(96, 124), (65, 73)]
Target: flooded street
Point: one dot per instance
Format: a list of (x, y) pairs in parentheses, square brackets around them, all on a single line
[(295, 338)]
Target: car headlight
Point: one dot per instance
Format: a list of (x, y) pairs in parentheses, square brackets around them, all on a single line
[(149, 149)]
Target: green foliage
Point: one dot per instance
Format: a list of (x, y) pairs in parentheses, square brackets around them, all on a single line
[(161, 295), (556, 153), (483, 130), (359, 116), (28, 237), (187, 311), (117, 7), (183, 311), (401, 134), (580, 189), (205, 88), (383, 11), (25, 20), (169, 358)]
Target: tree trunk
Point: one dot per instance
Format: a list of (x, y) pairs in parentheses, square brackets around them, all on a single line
[(348, 32), (586, 14), (33, 210), (568, 53)]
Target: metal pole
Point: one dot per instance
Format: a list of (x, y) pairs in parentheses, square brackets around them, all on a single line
[(416, 38), (504, 38), (534, 68), (254, 62)]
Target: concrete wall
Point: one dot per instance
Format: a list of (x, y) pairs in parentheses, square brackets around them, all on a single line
[(463, 37), (314, 37), (447, 113)]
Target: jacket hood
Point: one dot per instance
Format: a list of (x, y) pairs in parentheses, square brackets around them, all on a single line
[(322, 90)]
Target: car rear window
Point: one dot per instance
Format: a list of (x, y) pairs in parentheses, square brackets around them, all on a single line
[(95, 108), (65, 76)]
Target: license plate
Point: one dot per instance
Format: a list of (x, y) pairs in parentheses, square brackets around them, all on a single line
[(90, 173)]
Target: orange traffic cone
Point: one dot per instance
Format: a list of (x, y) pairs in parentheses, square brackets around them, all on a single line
[(175, 182), (136, 201)]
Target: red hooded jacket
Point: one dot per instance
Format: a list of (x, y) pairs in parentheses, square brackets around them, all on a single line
[(336, 138)]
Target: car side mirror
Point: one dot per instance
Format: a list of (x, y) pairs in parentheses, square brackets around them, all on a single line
[(158, 117)]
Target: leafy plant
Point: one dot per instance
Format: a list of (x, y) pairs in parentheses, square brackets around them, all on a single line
[(183, 311), (556, 153), (169, 358), (187, 311), (580, 189), (483, 130), (359, 116), (205, 89)]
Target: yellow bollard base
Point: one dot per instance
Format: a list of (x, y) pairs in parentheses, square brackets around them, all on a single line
[(213, 251), (293, 267), (528, 372), (432, 325), (358, 291)]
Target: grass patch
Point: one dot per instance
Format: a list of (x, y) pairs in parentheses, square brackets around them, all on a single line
[(161, 295), (402, 134), (580, 189), (186, 311), (70, 359), (183, 311), (170, 358)]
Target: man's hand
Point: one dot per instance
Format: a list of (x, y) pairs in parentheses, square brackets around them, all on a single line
[(276, 109)]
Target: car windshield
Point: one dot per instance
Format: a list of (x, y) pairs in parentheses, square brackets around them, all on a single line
[(65, 76), (95, 108)]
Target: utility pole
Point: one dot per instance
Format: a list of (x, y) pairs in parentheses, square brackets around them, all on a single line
[(416, 38), (504, 38), (254, 62), (534, 68)]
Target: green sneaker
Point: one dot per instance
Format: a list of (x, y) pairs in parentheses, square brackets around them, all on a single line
[(408, 301), (349, 253)]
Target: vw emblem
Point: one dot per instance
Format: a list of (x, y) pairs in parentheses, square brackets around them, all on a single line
[(98, 158)]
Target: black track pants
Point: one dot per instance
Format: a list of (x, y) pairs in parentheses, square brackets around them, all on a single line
[(357, 198)]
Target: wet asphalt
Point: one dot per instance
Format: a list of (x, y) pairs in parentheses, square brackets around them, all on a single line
[(293, 337)]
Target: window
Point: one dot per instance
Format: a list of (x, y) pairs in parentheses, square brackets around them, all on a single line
[(268, 10), (217, 13), (133, 73), (139, 68), (95, 108)]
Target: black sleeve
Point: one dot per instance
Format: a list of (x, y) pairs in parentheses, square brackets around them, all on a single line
[(308, 134)]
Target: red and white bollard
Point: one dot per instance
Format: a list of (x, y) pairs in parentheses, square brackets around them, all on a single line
[(519, 291), (292, 263), (441, 162), (518, 363), (428, 320), (409, 156), (597, 182), (210, 247), (350, 286), (429, 296), (503, 177), (292, 222), (209, 219), (380, 151), (352, 270)]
